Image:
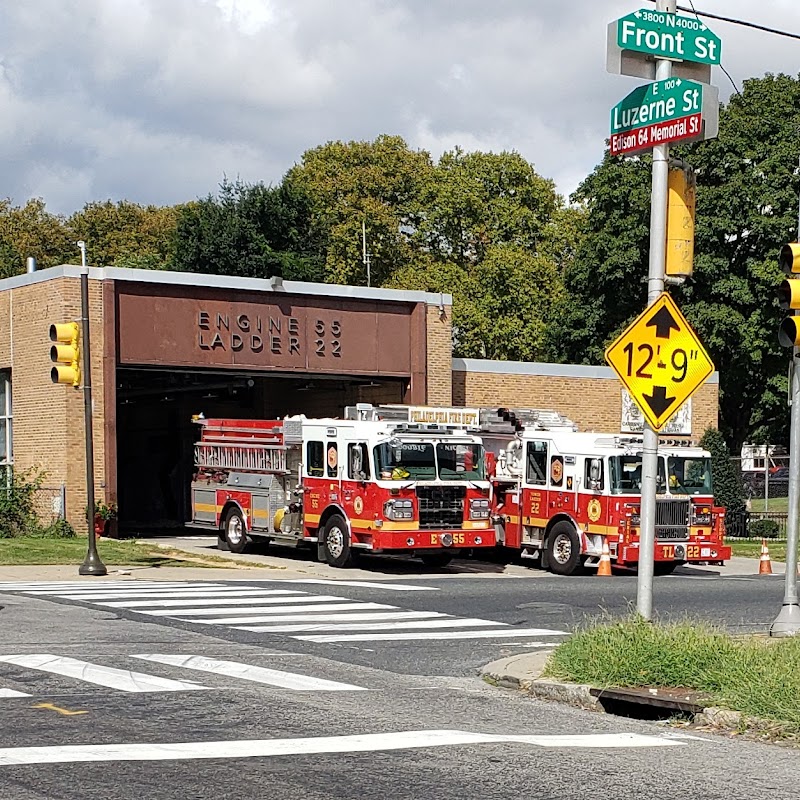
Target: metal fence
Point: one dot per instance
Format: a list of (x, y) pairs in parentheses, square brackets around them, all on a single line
[(764, 477)]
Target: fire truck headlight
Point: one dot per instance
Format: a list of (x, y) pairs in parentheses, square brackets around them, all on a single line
[(635, 512), (398, 509), (478, 540), (479, 509), (701, 515)]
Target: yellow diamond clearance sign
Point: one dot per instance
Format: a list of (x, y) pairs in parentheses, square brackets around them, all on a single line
[(660, 361)]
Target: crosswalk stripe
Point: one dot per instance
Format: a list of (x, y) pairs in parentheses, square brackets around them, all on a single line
[(366, 616), (121, 679), (55, 588), (234, 669), (452, 622), (394, 587), (386, 637), (197, 612), (12, 693), (358, 743), (152, 594), (260, 596)]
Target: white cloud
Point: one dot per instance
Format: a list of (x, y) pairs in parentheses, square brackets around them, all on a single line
[(156, 100)]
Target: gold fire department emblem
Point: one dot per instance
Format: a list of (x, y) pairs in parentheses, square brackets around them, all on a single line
[(358, 505), (594, 509)]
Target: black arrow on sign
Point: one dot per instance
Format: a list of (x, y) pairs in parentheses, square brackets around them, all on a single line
[(663, 321), (658, 401)]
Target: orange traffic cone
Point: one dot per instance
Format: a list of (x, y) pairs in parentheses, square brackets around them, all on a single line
[(764, 565), (604, 567)]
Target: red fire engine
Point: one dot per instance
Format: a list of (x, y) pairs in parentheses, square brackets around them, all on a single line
[(395, 479), (559, 494)]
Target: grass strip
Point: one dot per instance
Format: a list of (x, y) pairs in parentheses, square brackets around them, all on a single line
[(757, 676), (777, 550), (26, 550)]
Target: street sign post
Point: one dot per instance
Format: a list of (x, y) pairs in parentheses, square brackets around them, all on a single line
[(666, 111), (660, 361), (660, 34)]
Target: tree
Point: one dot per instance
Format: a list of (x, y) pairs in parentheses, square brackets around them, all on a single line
[(728, 489), (251, 230), (375, 184), (125, 234), (472, 201), (746, 208), (30, 230)]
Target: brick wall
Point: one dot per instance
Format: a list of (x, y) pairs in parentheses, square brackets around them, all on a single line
[(590, 396), (440, 356), (48, 418)]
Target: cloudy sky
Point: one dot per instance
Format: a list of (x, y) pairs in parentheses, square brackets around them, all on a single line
[(156, 100)]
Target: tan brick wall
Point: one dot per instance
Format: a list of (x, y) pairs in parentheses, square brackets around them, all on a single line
[(48, 418), (594, 404), (440, 356)]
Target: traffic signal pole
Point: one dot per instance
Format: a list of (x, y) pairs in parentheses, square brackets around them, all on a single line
[(655, 286), (92, 565), (787, 623)]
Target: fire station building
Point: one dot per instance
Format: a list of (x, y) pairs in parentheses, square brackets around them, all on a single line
[(167, 345)]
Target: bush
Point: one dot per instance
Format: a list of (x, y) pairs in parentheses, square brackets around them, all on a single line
[(764, 529), (18, 516), (17, 497)]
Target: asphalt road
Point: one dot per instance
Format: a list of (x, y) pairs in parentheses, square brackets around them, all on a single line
[(112, 701)]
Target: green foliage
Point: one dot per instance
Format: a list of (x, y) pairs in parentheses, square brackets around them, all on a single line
[(254, 231), (125, 234), (728, 489), (764, 529), (376, 184), (746, 209), (749, 675), (30, 230), (18, 514)]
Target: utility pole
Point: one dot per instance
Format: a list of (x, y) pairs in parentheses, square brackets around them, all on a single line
[(365, 255), (92, 565), (655, 286), (787, 623)]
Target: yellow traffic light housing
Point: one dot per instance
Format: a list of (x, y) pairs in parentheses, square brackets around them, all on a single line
[(65, 353), (680, 221), (789, 295)]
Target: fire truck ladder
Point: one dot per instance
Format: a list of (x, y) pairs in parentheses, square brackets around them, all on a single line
[(499, 420), (246, 457)]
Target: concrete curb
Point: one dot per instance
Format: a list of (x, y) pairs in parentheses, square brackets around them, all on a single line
[(521, 672)]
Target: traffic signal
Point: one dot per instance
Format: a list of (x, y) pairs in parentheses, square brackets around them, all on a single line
[(680, 220), (65, 353), (789, 295)]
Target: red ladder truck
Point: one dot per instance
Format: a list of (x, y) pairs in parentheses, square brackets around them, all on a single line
[(559, 494), (382, 480)]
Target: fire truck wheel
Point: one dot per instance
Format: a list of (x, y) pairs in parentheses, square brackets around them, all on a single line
[(336, 542), (436, 560), (235, 531), (563, 549)]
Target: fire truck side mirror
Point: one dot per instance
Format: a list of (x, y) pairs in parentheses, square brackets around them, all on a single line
[(595, 472)]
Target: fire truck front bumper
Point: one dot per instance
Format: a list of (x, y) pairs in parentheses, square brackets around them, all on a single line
[(689, 553), (435, 539)]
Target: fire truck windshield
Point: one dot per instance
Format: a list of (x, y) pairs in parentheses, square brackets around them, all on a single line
[(626, 474), (460, 461), (419, 461), (689, 475), (398, 460)]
